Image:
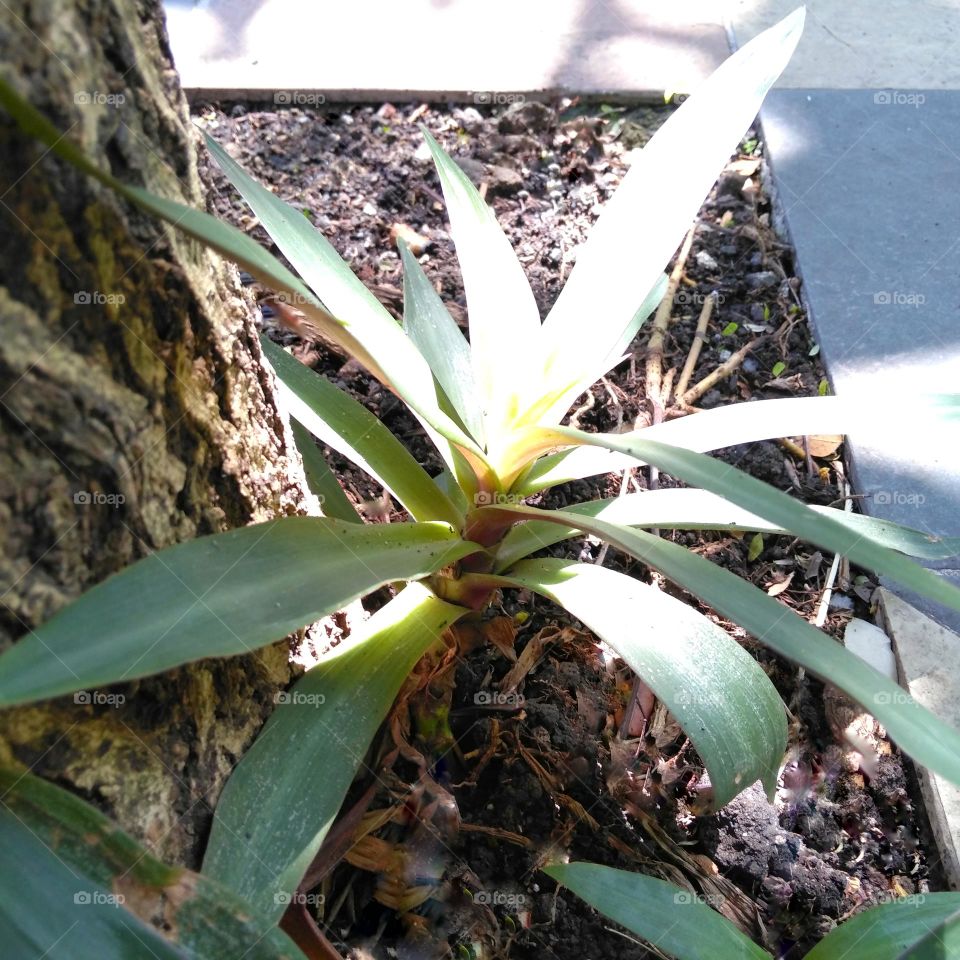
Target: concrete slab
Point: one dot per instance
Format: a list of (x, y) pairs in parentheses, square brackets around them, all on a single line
[(440, 49), (927, 656), (867, 185), (899, 44)]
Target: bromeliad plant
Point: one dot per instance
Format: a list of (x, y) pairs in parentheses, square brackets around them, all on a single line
[(493, 407)]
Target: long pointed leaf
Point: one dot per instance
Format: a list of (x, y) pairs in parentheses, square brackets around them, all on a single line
[(678, 922), (321, 479), (719, 694), (281, 800), (687, 509), (746, 423), (552, 406), (436, 335), (916, 730), (923, 926), (217, 596), (768, 502), (503, 315), (339, 421), (76, 887), (359, 311), (645, 221)]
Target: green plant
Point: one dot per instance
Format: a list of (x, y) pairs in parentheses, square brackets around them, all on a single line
[(493, 409), (76, 886), (683, 924)]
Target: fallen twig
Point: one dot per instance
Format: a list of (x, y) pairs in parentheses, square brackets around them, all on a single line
[(653, 383), (722, 372), (698, 340)]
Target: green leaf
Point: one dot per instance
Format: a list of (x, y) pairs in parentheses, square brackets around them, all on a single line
[(334, 417), (217, 596), (744, 423), (362, 315), (778, 368), (321, 479), (916, 730), (730, 329), (922, 926), (719, 694), (747, 492), (756, 547), (282, 798), (75, 886), (435, 333), (679, 923), (553, 404), (503, 315), (644, 223), (681, 508)]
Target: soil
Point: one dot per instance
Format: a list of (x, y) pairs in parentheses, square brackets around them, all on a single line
[(547, 772)]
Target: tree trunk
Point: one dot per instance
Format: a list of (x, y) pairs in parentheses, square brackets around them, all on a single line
[(135, 411)]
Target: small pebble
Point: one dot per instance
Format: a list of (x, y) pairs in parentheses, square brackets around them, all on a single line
[(840, 601), (369, 209), (761, 280), (705, 261), (470, 118), (750, 365)]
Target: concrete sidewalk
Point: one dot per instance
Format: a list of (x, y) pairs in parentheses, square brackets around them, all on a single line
[(442, 49)]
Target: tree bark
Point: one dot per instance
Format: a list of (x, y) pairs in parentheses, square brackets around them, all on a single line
[(135, 411)]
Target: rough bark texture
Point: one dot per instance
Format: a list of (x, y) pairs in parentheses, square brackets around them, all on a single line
[(135, 412)]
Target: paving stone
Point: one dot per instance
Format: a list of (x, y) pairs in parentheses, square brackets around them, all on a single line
[(851, 44), (871, 644), (868, 189), (927, 656), (446, 49)]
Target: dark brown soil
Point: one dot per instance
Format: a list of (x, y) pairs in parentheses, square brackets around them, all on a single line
[(551, 774)]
